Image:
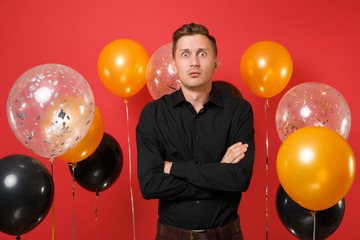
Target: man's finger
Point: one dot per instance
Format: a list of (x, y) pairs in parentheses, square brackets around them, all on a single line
[(238, 158)]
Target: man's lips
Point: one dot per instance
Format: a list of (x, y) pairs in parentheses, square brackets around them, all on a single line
[(194, 73)]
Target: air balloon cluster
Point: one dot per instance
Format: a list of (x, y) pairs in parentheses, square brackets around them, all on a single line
[(51, 111), (315, 164)]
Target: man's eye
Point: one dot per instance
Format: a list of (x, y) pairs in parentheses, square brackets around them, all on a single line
[(185, 54), (202, 54)]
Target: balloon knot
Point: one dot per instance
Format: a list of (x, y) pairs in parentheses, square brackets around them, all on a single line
[(51, 159), (18, 237), (268, 102), (125, 100)]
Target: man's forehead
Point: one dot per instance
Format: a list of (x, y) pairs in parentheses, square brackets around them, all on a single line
[(193, 43)]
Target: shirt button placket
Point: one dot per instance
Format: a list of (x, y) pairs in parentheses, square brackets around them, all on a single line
[(196, 139)]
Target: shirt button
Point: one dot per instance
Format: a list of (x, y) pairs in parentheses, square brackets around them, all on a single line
[(197, 202), (196, 138)]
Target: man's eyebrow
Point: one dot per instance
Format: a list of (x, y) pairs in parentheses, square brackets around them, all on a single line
[(188, 49)]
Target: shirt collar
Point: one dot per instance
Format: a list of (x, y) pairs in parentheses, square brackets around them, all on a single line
[(215, 97)]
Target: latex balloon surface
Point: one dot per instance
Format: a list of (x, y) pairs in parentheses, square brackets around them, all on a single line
[(122, 67), (316, 167), (160, 73), (299, 221), (102, 168), (228, 88), (26, 194), (312, 104), (266, 68), (89, 143), (50, 108)]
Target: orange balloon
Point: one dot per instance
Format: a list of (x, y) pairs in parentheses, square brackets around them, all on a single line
[(266, 68), (316, 167), (89, 143), (122, 67)]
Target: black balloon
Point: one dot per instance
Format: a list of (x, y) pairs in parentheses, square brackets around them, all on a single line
[(300, 222), (228, 88), (102, 168), (26, 194)]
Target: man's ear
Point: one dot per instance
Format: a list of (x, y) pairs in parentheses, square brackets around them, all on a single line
[(173, 66), (217, 65)]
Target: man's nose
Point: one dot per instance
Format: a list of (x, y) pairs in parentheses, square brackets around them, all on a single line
[(194, 61)]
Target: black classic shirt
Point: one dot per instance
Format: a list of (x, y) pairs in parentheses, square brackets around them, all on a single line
[(200, 192)]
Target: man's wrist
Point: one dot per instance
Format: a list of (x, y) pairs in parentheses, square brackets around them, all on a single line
[(167, 167)]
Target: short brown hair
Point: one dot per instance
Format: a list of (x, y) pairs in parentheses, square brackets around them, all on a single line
[(192, 29)]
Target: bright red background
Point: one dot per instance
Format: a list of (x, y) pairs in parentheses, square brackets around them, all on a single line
[(322, 37)]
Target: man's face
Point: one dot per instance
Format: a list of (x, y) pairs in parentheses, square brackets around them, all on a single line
[(195, 61)]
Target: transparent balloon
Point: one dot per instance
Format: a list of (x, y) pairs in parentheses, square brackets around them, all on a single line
[(50, 108), (88, 143), (312, 104), (161, 78)]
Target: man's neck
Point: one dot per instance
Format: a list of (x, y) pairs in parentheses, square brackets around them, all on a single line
[(197, 97)]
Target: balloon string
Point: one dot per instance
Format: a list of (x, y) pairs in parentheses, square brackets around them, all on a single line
[(53, 205), (96, 215), (52, 166), (313, 213), (96, 198), (131, 193), (73, 197), (267, 170)]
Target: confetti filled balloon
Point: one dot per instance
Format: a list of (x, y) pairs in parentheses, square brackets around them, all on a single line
[(50, 108), (312, 104), (88, 143), (160, 74)]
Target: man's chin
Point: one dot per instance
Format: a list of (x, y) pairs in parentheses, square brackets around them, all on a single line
[(197, 86)]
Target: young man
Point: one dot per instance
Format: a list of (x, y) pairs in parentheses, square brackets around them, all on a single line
[(196, 147)]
